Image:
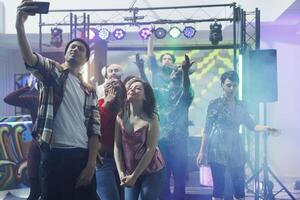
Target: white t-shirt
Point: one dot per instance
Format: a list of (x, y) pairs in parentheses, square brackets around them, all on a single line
[(69, 130)]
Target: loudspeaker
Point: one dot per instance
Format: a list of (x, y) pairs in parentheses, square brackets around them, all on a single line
[(260, 76)]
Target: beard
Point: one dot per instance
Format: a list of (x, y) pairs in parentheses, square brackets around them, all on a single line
[(73, 62)]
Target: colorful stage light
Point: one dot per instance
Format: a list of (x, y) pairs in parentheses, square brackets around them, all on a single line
[(92, 34), (145, 33), (160, 33), (56, 37), (104, 33), (119, 34), (189, 32), (174, 32)]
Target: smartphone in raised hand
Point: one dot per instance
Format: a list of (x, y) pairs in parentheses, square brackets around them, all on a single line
[(39, 7)]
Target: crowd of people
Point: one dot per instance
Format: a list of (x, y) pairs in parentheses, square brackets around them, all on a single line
[(125, 138)]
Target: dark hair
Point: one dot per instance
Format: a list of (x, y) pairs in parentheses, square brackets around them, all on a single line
[(172, 57), (149, 104), (87, 47), (120, 89), (128, 78), (231, 75)]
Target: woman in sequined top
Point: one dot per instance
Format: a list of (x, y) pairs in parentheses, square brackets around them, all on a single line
[(222, 143)]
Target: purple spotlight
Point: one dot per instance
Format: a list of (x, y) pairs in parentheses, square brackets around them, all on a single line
[(189, 32), (119, 34), (145, 33)]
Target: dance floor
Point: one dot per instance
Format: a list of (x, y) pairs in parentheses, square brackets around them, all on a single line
[(192, 192)]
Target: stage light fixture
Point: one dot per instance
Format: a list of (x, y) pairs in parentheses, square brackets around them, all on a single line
[(174, 32), (145, 33), (56, 37), (104, 33), (119, 34), (215, 34), (160, 33), (92, 34), (189, 32)]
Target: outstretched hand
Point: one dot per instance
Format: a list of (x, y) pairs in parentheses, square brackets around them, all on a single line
[(186, 65), (139, 62), (273, 131)]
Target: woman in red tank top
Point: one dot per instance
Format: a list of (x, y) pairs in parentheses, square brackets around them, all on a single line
[(139, 161)]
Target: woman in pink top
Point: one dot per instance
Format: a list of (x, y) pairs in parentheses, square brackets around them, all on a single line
[(138, 159)]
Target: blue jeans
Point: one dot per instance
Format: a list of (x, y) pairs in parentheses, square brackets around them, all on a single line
[(108, 181), (147, 187)]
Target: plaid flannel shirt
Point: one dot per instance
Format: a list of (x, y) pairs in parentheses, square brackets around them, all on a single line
[(53, 78)]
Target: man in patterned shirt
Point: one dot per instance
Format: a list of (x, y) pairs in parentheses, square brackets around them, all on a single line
[(68, 122)]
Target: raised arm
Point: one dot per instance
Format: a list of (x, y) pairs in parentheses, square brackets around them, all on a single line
[(187, 94), (186, 83), (22, 15), (141, 66), (150, 47)]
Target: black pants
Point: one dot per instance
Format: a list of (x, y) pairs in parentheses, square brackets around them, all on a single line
[(237, 177), (35, 190), (63, 169), (176, 158)]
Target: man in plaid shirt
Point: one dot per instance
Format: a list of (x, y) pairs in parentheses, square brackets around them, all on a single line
[(68, 122)]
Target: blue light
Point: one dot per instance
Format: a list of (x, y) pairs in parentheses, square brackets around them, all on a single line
[(189, 32)]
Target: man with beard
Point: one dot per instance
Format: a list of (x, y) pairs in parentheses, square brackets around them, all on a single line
[(171, 85), (174, 144), (112, 71), (68, 123)]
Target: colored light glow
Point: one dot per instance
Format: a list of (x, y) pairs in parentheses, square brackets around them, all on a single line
[(92, 34), (160, 33), (189, 32), (174, 32), (104, 33), (119, 34), (145, 33), (240, 72)]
